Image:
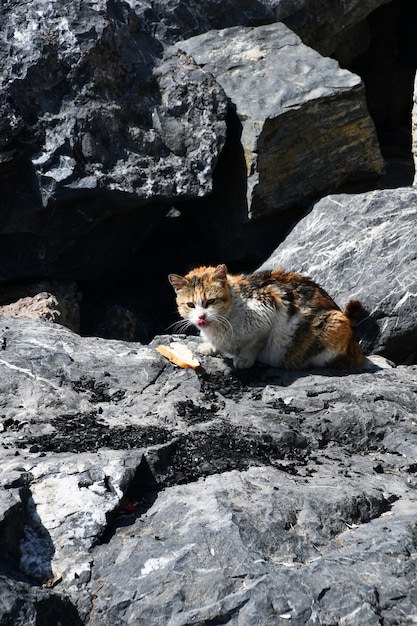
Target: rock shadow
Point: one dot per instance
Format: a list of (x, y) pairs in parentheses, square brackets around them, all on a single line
[(37, 548), (367, 331), (233, 383), (26, 543)]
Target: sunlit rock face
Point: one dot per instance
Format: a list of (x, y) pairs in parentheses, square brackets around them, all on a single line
[(294, 107), (135, 491), (364, 247)]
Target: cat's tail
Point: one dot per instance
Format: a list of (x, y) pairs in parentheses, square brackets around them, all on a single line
[(354, 311)]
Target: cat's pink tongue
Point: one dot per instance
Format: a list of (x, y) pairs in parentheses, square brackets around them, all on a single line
[(202, 322)]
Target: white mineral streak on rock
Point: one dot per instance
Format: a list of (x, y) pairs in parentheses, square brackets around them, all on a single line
[(154, 564), (28, 373)]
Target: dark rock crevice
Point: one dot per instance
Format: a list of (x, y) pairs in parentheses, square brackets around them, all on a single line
[(35, 606), (27, 549), (388, 68)]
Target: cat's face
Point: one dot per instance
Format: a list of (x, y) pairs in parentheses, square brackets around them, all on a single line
[(203, 295)]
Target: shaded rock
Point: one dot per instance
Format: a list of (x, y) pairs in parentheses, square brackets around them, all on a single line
[(414, 130), (52, 301), (128, 319), (23, 605), (287, 124), (144, 492), (319, 26), (324, 27), (388, 68), (119, 121), (363, 247)]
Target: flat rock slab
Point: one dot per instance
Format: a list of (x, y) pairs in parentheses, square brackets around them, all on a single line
[(252, 547), (363, 247), (294, 106), (143, 492)]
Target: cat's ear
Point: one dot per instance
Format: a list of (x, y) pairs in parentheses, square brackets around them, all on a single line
[(220, 274), (178, 282)]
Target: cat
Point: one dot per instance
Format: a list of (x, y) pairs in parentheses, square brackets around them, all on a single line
[(278, 318)]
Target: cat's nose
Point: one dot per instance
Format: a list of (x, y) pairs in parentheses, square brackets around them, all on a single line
[(202, 320)]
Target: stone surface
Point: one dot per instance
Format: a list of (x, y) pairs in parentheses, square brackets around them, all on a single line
[(22, 605), (127, 116), (293, 106), (118, 122), (135, 492), (363, 247), (145, 493)]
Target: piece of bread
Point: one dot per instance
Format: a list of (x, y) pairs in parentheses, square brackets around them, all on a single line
[(179, 354)]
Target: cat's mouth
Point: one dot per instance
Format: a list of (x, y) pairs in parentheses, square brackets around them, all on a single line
[(202, 322)]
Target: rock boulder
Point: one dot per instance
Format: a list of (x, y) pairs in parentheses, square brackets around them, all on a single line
[(54, 301), (119, 121), (363, 247), (293, 105), (137, 491)]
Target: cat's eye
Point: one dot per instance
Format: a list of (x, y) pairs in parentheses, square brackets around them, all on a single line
[(191, 305), (209, 302)]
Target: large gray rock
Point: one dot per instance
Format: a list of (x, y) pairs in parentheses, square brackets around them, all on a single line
[(363, 247), (97, 120), (294, 106), (146, 493)]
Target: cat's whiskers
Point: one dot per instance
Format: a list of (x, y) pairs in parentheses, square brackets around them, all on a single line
[(223, 321), (180, 327)]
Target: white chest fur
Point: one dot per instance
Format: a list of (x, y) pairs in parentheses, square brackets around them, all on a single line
[(254, 329)]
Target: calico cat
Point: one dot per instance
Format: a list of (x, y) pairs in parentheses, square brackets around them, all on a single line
[(274, 317)]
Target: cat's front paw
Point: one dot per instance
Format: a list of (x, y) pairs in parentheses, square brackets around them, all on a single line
[(243, 362), (207, 348)]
